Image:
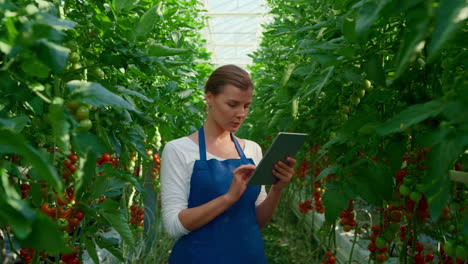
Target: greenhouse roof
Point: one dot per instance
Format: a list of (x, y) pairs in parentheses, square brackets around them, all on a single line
[(233, 29)]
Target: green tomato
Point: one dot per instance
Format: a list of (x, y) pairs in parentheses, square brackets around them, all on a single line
[(346, 109), (74, 57), (82, 113), (361, 93), (355, 100), (380, 242), (415, 196), (85, 124), (98, 73), (367, 85), (404, 190), (62, 224), (76, 66)]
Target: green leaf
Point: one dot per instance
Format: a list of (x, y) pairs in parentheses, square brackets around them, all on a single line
[(413, 40), (349, 30), (91, 248), (53, 55), (122, 4), (441, 158), (368, 14), (328, 72), (334, 200), (55, 22), (30, 154), (86, 172), (159, 50), (95, 94), (112, 245), (35, 67), (288, 70), (60, 126), (450, 17), (147, 22), (373, 182), (330, 170), (20, 225), (45, 236), (16, 124), (375, 71), (14, 209), (89, 142), (410, 116), (124, 90), (117, 220)]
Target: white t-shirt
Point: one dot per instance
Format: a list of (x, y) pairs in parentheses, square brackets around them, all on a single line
[(177, 160)]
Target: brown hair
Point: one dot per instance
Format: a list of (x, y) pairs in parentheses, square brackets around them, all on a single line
[(228, 74)]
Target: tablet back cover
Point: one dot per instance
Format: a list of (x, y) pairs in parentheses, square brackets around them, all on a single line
[(285, 144)]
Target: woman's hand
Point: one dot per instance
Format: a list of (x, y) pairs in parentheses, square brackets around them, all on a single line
[(283, 172), (239, 181)]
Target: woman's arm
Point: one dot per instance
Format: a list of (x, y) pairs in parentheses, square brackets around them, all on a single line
[(284, 173)]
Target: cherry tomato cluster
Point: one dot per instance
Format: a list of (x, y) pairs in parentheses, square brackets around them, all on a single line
[(27, 254), (347, 218), (70, 258), (70, 166), (68, 218), (419, 256), (409, 179), (378, 246), (137, 215), (157, 166), (301, 170), (330, 259), (319, 207), (107, 158), (25, 189), (305, 207)]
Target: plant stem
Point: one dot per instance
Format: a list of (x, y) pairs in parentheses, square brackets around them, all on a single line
[(354, 243)]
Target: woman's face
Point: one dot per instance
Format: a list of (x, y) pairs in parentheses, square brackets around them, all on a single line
[(230, 107)]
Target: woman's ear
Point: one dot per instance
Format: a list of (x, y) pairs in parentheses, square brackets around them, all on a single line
[(209, 98)]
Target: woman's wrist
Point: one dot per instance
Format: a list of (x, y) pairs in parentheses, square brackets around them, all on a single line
[(228, 199), (276, 189)]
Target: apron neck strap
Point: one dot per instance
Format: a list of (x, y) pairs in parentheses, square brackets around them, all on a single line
[(202, 146), (201, 143), (239, 149)]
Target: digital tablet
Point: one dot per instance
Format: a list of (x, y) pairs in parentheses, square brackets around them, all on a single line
[(285, 144)]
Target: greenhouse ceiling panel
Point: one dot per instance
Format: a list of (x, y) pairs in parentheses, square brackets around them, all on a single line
[(233, 29)]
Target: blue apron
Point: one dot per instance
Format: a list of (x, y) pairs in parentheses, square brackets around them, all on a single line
[(232, 237)]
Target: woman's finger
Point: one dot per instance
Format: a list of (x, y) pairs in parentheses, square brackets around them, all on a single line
[(280, 169)]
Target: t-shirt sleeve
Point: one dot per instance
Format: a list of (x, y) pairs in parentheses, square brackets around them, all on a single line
[(257, 157), (175, 188)]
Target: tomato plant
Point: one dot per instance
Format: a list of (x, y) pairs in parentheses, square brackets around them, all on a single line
[(87, 88), (380, 87)]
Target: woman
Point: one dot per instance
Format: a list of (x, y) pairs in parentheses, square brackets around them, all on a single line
[(206, 202)]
